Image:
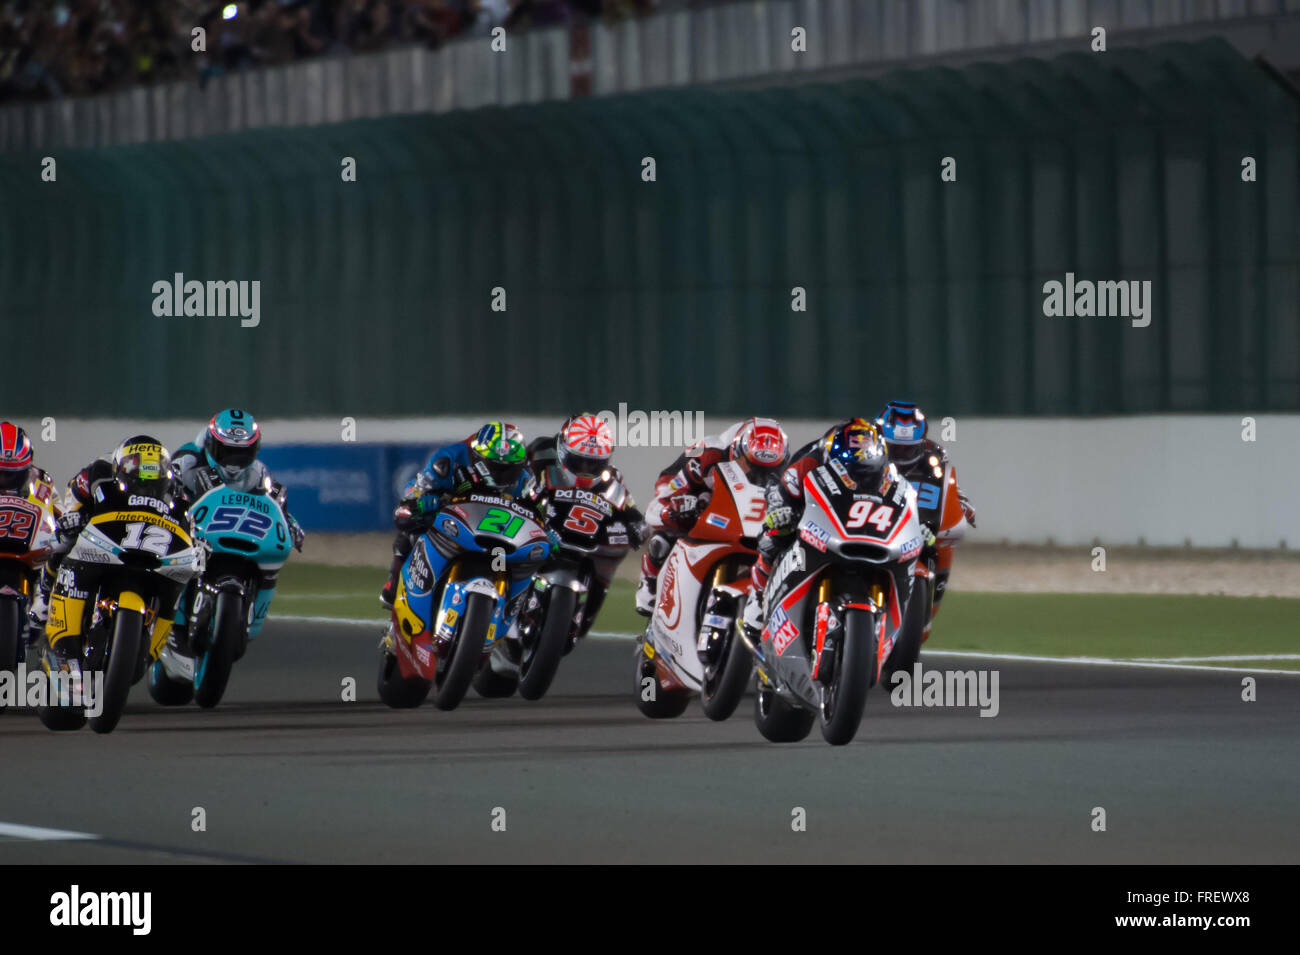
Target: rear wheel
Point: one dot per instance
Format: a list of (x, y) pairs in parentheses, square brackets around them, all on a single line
[(907, 648), (454, 673), (396, 690), (489, 683), (538, 666), (854, 672), (651, 698), (123, 659), (11, 635), (720, 692), (165, 690), (779, 721)]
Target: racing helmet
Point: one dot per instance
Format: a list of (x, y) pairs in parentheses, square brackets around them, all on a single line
[(231, 443), (859, 447), (142, 465), (584, 447), (903, 427), (499, 446), (15, 458), (761, 448)]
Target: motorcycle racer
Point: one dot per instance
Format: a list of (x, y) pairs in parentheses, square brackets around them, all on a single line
[(493, 458), (856, 452), (580, 456), (20, 476), (758, 445), (903, 426), (226, 450), (141, 468)]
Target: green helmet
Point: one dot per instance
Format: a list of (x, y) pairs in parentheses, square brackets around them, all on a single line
[(500, 447)]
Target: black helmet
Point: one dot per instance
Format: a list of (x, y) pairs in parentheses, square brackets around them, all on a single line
[(142, 465), (858, 446)]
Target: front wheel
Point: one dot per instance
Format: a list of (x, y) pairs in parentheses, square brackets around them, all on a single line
[(538, 666), (854, 671), (212, 669), (454, 673), (720, 692), (123, 658)]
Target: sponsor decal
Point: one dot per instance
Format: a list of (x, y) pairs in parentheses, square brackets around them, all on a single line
[(840, 472), (617, 539), (717, 520), (814, 535), (910, 549), (538, 552), (450, 527), (791, 481), (792, 560), (782, 630), (418, 574)]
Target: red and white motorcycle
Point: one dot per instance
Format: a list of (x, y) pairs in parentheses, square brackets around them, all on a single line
[(690, 643)]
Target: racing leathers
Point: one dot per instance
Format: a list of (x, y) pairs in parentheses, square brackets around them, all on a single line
[(448, 471), (91, 492), (785, 506), (550, 477), (921, 469), (681, 492)]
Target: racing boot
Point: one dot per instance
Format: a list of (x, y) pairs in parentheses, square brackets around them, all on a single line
[(646, 593)]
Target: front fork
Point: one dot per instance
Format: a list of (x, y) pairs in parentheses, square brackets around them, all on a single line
[(828, 628)]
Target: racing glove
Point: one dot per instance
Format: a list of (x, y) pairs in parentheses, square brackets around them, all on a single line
[(68, 529), (296, 532), (637, 532), (780, 520), (686, 509)]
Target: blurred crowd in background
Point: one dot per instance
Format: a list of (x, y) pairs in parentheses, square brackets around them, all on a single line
[(55, 48)]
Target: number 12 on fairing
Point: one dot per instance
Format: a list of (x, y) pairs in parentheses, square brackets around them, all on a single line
[(864, 512)]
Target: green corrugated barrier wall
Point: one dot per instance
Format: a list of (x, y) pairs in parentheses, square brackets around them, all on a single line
[(376, 295)]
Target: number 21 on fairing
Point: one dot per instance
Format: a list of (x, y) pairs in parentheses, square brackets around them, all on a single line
[(864, 512)]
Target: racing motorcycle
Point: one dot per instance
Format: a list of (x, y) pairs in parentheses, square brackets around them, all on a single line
[(27, 532), (689, 644), (248, 540), (459, 589), (834, 605), (559, 608), (940, 512), (139, 555)]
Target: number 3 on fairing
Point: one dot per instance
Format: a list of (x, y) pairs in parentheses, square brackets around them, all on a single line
[(498, 521)]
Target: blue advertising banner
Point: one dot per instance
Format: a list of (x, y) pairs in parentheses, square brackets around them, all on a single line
[(345, 487)]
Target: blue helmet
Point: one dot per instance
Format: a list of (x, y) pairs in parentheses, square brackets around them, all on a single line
[(903, 426), (232, 442)]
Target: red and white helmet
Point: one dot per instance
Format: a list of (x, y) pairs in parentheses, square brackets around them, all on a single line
[(584, 446), (761, 447), (15, 457)]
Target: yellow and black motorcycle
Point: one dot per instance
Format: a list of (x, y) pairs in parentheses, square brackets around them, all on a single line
[(138, 560)]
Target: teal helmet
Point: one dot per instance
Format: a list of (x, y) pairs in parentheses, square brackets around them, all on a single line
[(232, 442)]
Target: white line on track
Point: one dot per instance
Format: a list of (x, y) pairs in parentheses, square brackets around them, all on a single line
[(1150, 663), (38, 834)]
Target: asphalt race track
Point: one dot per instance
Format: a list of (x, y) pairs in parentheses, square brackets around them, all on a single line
[(287, 772)]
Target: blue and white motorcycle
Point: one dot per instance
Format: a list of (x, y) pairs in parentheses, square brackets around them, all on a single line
[(248, 539), (459, 590)]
